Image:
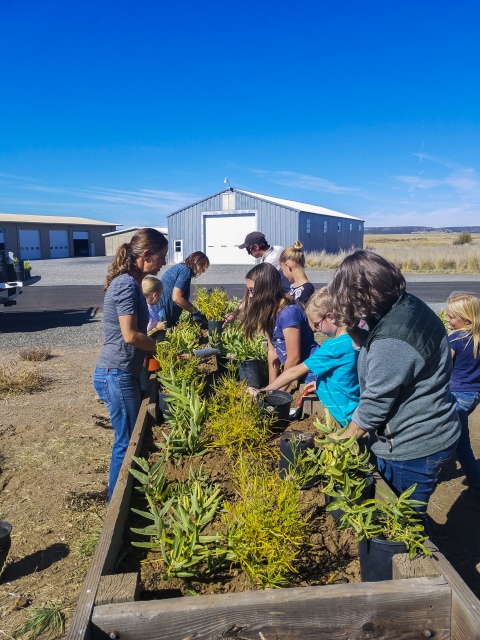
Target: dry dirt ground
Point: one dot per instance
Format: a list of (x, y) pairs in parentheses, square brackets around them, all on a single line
[(55, 449)]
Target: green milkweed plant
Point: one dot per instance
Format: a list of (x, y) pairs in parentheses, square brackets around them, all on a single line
[(213, 303)]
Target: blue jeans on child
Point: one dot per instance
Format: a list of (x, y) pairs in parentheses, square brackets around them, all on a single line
[(120, 391), (401, 474), (466, 403)]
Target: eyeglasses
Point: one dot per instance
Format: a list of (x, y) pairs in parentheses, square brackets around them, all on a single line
[(250, 290), (318, 325)]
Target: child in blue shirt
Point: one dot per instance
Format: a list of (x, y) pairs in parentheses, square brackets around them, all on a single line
[(334, 363)]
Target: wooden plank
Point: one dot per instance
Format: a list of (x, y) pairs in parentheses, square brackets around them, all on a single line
[(465, 606), (110, 540), (419, 567), (397, 609), (121, 587)]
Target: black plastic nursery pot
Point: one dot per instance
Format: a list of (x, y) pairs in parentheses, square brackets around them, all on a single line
[(279, 402), (367, 494), (251, 372), (376, 558), (19, 271), (5, 541), (215, 325), (291, 442)]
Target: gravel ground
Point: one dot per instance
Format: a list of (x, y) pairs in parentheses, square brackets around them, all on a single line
[(89, 334), (71, 271)]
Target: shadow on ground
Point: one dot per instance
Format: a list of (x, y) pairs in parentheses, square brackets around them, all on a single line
[(37, 561), (459, 540), (40, 320)]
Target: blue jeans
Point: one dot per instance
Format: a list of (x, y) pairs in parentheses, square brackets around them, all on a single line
[(466, 403), (120, 391), (401, 474)]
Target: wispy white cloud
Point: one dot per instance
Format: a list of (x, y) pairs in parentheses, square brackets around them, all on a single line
[(303, 181)]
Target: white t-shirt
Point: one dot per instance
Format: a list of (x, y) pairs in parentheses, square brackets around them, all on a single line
[(272, 255)]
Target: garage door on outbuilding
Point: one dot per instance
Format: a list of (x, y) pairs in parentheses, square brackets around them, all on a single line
[(59, 244), (29, 240), (224, 234)]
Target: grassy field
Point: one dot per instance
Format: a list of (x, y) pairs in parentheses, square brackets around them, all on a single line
[(413, 253)]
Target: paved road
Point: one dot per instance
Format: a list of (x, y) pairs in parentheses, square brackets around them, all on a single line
[(81, 298)]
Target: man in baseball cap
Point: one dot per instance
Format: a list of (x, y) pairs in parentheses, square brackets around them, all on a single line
[(258, 247)]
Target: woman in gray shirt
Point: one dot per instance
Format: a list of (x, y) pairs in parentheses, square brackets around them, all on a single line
[(125, 314), (404, 368)]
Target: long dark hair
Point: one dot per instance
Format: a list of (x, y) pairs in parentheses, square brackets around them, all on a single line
[(125, 260), (364, 287), (261, 309)]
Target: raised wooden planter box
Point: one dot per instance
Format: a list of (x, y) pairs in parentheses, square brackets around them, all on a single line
[(426, 599)]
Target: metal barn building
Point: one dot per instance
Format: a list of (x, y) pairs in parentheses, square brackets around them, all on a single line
[(116, 238), (31, 237), (218, 224)]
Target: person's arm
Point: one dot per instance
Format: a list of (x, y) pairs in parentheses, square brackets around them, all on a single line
[(287, 377), (391, 365), (292, 347), (131, 334), (177, 297), (273, 362)]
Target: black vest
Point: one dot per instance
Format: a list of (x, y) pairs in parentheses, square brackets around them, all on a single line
[(412, 321)]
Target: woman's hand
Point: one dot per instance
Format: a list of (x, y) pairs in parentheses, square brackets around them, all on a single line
[(161, 326)]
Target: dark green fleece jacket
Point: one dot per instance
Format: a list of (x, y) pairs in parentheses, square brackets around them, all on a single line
[(404, 369)]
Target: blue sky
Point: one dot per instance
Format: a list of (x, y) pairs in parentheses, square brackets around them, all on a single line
[(126, 111)]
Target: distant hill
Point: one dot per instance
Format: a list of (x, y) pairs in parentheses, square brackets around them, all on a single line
[(387, 230)]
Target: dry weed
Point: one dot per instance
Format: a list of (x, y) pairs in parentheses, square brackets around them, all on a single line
[(413, 257), (15, 380), (35, 355)]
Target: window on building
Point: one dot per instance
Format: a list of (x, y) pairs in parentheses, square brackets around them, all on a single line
[(325, 226), (351, 226), (359, 227), (308, 225), (339, 226), (228, 201), (178, 246)]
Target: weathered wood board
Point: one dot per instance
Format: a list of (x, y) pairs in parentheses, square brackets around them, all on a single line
[(397, 609)]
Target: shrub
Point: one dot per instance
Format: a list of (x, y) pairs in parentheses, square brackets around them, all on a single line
[(35, 355), (463, 238), (473, 264), (17, 380), (213, 303), (237, 420), (265, 526)]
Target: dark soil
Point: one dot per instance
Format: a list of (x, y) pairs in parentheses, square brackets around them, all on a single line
[(329, 556)]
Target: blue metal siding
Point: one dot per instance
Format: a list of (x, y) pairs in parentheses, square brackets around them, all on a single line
[(333, 240)]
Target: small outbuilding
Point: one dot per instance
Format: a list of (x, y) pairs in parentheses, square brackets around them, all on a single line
[(219, 223), (114, 239), (32, 237)]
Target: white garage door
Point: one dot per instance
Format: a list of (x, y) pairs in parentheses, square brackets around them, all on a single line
[(29, 244), (223, 234), (59, 244)]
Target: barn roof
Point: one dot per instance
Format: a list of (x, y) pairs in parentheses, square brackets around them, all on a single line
[(27, 217), (283, 202), (299, 206), (115, 233)]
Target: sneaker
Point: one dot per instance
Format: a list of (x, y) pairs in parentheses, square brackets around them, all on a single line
[(471, 498)]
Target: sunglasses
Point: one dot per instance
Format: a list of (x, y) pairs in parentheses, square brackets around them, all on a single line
[(250, 249)]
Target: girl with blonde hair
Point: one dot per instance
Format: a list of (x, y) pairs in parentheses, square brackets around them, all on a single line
[(463, 314), (292, 263), (152, 290)]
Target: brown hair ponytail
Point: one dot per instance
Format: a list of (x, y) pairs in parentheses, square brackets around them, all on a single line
[(125, 260)]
